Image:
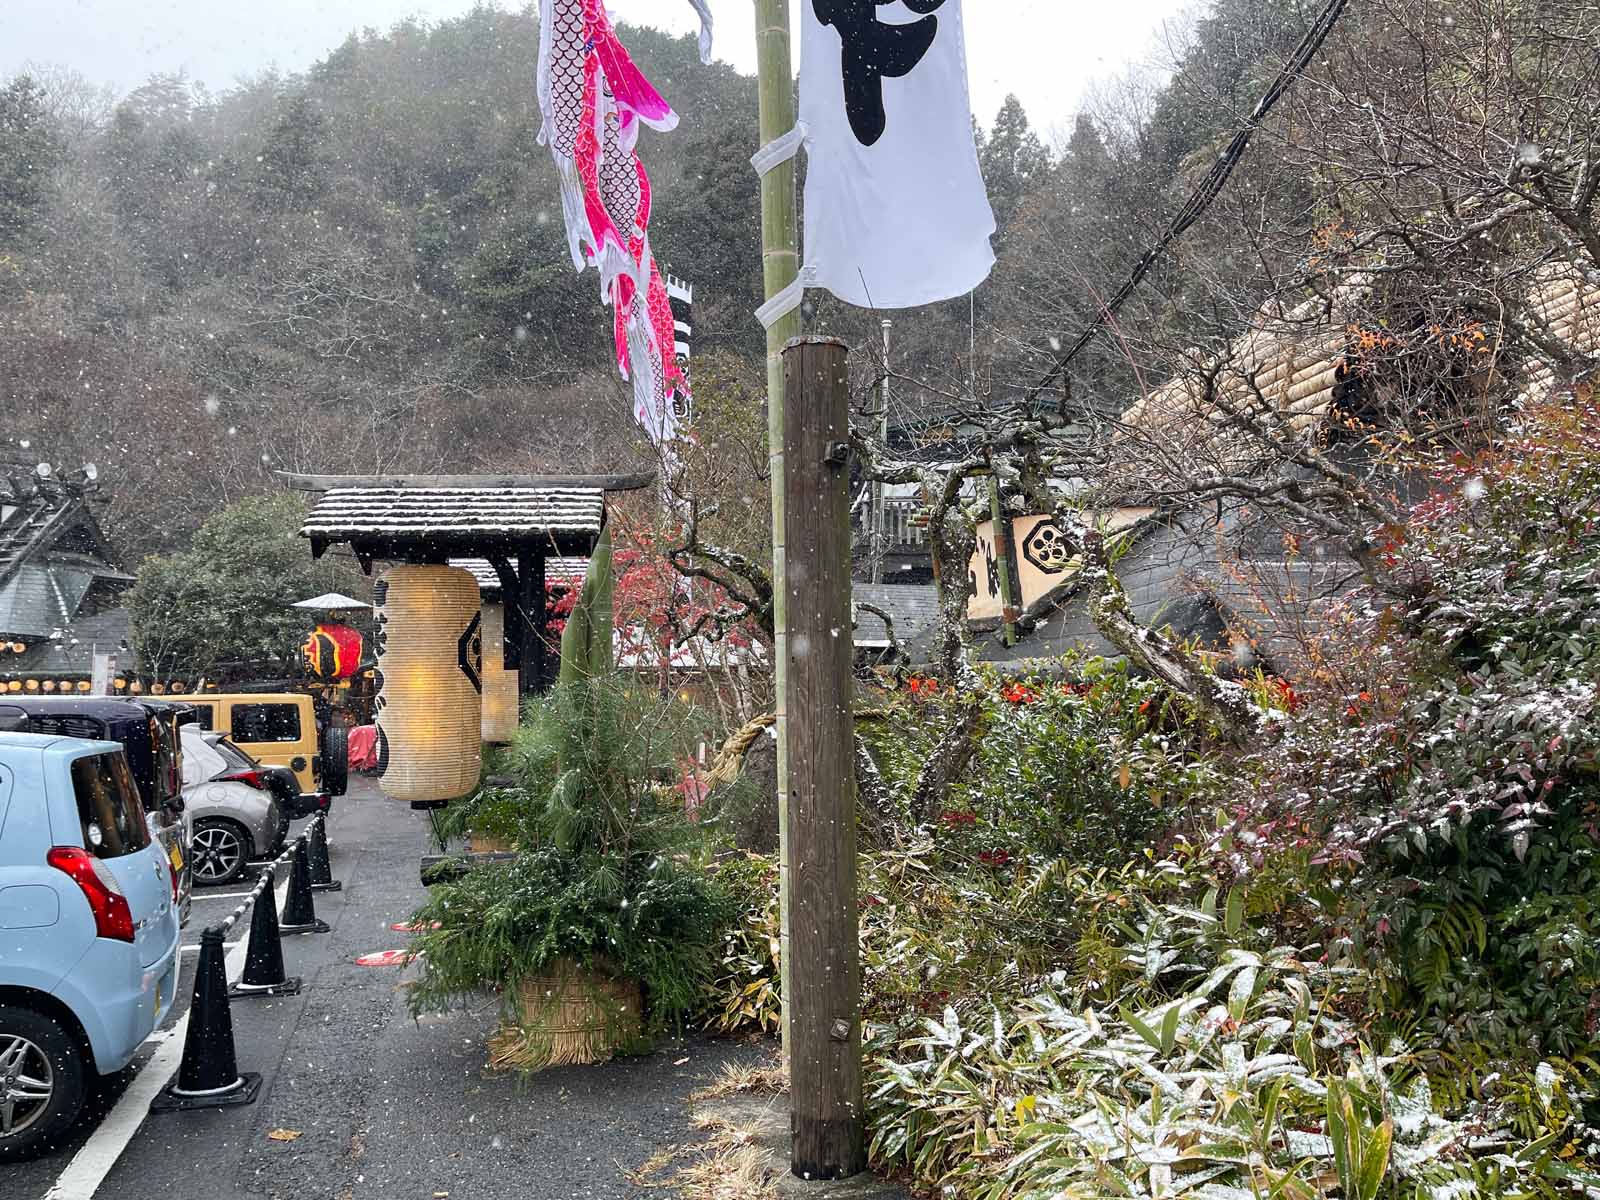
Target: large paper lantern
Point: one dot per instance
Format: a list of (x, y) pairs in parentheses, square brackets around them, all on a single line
[(500, 686), (430, 676)]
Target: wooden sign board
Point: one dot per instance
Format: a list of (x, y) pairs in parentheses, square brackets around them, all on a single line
[(1044, 554)]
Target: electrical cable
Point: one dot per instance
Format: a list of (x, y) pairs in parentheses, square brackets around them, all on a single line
[(1208, 190)]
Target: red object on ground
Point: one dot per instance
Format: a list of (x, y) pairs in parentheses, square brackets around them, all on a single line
[(385, 958), (363, 747)]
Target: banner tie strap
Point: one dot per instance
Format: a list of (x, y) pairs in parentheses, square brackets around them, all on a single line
[(778, 151)]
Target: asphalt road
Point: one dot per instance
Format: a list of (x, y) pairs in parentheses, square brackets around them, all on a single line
[(386, 1107)]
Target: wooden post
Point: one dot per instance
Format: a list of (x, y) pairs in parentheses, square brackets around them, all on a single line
[(780, 265), (1002, 561), (823, 999), (511, 602), (534, 679)]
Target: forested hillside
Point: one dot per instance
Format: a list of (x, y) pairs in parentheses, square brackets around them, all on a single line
[(363, 269), (359, 269)]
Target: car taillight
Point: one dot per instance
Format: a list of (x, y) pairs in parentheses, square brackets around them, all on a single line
[(112, 918), (255, 779)]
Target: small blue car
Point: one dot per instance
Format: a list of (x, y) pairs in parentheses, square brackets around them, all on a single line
[(88, 930)]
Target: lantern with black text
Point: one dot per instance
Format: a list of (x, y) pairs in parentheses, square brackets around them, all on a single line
[(501, 697), (430, 677)]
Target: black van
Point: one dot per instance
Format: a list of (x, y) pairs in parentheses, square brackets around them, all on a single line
[(148, 733)]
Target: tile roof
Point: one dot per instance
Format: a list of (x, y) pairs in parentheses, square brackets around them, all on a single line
[(634, 651), (72, 654), (52, 553), (32, 512), (570, 571), (914, 608), (420, 514)]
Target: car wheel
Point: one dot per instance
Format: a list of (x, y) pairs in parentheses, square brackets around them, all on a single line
[(42, 1081), (336, 760), (219, 850)]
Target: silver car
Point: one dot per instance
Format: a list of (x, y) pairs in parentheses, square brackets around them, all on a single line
[(232, 813)]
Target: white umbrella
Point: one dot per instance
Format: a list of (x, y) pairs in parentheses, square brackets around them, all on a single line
[(331, 602)]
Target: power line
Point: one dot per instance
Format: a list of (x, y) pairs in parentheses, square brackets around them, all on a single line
[(1208, 190)]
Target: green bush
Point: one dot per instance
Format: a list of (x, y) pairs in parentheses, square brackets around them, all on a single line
[(1227, 1068), (1091, 764)]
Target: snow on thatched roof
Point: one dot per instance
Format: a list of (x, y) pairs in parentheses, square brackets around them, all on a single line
[(406, 522)]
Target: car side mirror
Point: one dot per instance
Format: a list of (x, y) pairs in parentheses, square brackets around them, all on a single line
[(174, 805)]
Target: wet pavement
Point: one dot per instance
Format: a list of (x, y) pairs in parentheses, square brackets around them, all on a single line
[(369, 1102)]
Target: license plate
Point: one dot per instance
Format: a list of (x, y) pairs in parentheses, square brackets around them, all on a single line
[(177, 858)]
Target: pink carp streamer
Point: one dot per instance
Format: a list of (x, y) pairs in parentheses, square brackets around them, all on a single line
[(593, 100)]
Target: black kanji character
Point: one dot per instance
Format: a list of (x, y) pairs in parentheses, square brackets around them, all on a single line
[(874, 51)]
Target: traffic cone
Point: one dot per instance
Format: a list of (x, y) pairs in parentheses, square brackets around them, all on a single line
[(208, 1076), (263, 961), (299, 909), (322, 879)]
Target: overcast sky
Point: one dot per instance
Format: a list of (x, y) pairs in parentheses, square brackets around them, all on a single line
[(1046, 51)]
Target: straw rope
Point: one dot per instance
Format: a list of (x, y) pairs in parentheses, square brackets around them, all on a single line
[(567, 1016)]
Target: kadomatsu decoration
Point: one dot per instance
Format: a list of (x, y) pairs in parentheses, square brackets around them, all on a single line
[(593, 101)]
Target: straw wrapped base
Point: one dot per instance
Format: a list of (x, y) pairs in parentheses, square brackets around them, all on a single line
[(566, 1017), (482, 843)]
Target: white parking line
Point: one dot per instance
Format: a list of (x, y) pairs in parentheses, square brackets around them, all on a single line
[(82, 1177)]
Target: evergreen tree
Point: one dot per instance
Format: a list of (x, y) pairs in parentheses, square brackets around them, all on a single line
[(29, 153), (289, 175), (1013, 160)]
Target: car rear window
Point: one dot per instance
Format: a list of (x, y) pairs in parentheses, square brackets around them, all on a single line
[(108, 806), (169, 752), (235, 757), (266, 723), (68, 725), (201, 761)]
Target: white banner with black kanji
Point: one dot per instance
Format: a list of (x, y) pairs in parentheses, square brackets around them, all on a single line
[(896, 214)]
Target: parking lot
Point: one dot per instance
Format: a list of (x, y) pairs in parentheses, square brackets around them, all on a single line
[(360, 1100)]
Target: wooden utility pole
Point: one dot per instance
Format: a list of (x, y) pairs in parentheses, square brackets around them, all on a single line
[(780, 266), (823, 991)]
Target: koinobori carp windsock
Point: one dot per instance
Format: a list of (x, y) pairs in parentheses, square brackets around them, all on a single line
[(593, 100)]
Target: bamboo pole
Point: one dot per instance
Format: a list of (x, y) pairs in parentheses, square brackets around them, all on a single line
[(780, 264)]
